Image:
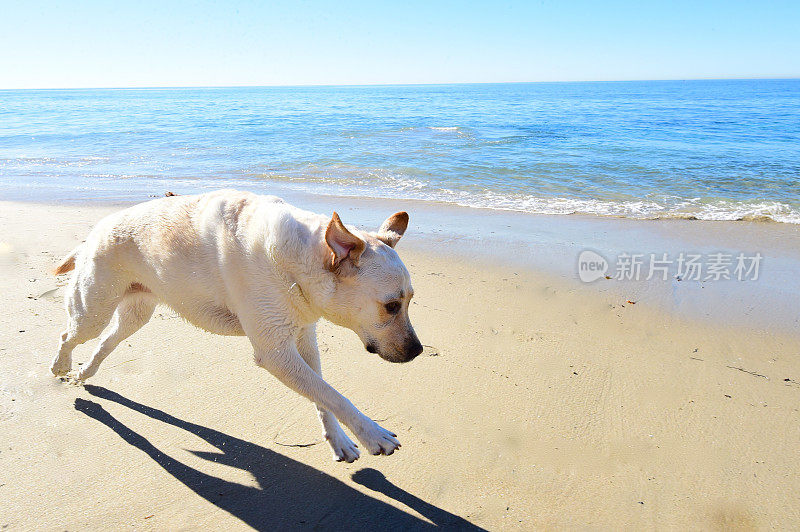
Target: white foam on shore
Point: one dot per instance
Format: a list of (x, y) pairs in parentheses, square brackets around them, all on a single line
[(647, 210), (381, 184)]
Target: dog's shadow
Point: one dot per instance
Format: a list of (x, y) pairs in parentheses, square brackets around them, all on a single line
[(290, 494)]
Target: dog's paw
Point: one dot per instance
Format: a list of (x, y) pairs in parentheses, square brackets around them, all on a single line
[(378, 440), (344, 450), (61, 367), (85, 373)]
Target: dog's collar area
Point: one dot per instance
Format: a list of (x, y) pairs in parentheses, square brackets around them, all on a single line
[(295, 290), (297, 296)]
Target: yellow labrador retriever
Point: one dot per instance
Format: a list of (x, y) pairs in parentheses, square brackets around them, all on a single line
[(236, 263)]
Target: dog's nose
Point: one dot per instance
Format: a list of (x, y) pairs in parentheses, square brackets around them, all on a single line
[(413, 348)]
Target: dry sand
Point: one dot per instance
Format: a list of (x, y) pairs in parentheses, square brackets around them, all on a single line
[(539, 403)]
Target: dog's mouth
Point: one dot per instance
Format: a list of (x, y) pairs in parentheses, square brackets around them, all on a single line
[(397, 357), (372, 347)]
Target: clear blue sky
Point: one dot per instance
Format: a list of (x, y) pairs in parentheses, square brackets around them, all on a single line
[(182, 43)]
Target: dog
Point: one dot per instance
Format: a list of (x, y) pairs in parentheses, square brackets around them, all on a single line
[(237, 263)]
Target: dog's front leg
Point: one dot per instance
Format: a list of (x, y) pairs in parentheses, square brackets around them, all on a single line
[(287, 365), (343, 447)]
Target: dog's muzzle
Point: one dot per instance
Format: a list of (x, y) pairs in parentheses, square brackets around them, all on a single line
[(410, 350)]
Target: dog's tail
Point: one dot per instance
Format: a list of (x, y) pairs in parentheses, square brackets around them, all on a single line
[(67, 264)]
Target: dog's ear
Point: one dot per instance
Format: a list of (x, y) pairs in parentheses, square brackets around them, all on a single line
[(342, 243), (393, 228)]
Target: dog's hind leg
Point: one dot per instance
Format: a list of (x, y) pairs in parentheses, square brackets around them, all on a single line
[(344, 449), (91, 297), (132, 313)]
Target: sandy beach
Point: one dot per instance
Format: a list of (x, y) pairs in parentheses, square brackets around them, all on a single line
[(539, 403)]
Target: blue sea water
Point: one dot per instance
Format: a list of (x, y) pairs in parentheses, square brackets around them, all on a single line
[(723, 150)]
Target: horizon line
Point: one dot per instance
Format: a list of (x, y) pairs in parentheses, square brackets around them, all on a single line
[(255, 86)]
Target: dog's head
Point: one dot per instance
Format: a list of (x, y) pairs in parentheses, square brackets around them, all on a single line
[(373, 287)]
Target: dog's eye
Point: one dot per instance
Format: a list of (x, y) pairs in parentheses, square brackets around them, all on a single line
[(393, 307)]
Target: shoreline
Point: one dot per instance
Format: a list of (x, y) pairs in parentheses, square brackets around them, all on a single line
[(52, 195), (552, 244)]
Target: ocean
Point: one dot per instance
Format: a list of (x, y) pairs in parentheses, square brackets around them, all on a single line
[(712, 150)]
